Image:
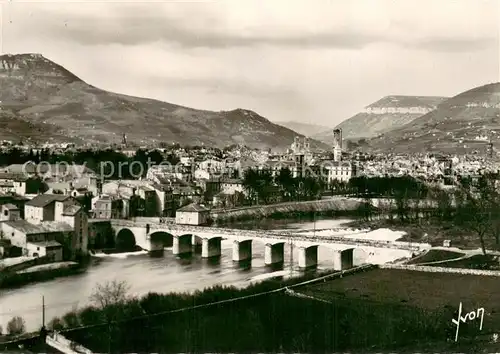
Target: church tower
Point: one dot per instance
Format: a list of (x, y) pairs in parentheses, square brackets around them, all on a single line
[(337, 145)]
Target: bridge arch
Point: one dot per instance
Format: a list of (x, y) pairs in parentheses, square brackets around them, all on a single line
[(308, 256), (197, 241), (125, 240), (182, 244), (211, 247), (362, 255), (163, 237)]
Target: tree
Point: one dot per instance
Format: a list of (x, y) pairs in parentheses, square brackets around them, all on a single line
[(110, 293), (251, 183), (477, 207), (16, 326), (285, 181)]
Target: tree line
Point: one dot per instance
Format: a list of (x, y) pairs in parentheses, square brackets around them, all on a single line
[(471, 204), (263, 187), (110, 162), (122, 323)]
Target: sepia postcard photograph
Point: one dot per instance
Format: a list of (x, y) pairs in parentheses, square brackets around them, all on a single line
[(249, 176)]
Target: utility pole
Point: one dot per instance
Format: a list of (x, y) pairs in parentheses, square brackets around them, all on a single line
[(291, 257), (43, 330), (314, 227), (43, 311)]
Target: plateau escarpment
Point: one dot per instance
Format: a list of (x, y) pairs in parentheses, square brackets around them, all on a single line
[(465, 123), (386, 114)]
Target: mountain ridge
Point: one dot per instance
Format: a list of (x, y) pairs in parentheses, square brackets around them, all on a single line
[(306, 129), (39, 91)]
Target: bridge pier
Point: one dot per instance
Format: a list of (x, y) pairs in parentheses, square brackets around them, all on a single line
[(274, 253), (211, 247), (242, 251), (308, 257), (343, 259), (182, 245), (155, 247)]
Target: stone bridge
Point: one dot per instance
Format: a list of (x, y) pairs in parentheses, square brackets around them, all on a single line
[(154, 236)]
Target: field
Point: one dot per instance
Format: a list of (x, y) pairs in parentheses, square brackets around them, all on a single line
[(435, 255), (431, 291), (478, 261)]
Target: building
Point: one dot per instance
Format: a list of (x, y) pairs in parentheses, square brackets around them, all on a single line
[(231, 186), (192, 214), (13, 183), (63, 213), (106, 207), (43, 207), (37, 240), (52, 250), (340, 171), (10, 212)]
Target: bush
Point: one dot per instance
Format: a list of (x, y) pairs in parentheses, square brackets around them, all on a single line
[(56, 324), (16, 326), (71, 319)]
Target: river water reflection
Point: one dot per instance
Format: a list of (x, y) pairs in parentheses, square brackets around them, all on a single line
[(147, 274)]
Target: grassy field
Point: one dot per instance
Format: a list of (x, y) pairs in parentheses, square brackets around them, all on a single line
[(434, 256), (433, 291), (479, 261)]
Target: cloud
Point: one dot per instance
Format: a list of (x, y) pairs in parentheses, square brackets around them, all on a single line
[(287, 60), (185, 29), (215, 85), (455, 44), (220, 26)]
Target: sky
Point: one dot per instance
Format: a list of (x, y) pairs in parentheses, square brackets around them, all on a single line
[(310, 61)]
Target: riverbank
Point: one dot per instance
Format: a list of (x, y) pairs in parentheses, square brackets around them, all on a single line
[(433, 233), (40, 273), (323, 315), (335, 207)]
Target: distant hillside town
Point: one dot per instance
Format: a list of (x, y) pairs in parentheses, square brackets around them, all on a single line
[(51, 192)]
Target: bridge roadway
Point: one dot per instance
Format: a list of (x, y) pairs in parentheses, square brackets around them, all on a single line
[(148, 234)]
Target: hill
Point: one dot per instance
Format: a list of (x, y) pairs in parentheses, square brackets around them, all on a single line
[(461, 124), (304, 128), (38, 93), (386, 114)]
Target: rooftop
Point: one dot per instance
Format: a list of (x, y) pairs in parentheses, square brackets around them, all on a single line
[(193, 208), (42, 228), (47, 244), (71, 209), (43, 200), (11, 206), (9, 176)]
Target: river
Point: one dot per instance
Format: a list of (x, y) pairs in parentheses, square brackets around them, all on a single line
[(147, 274)]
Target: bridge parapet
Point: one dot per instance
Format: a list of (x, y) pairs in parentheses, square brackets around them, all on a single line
[(288, 235)]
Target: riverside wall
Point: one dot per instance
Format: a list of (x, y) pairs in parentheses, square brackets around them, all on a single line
[(441, 269), (263, 211)]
